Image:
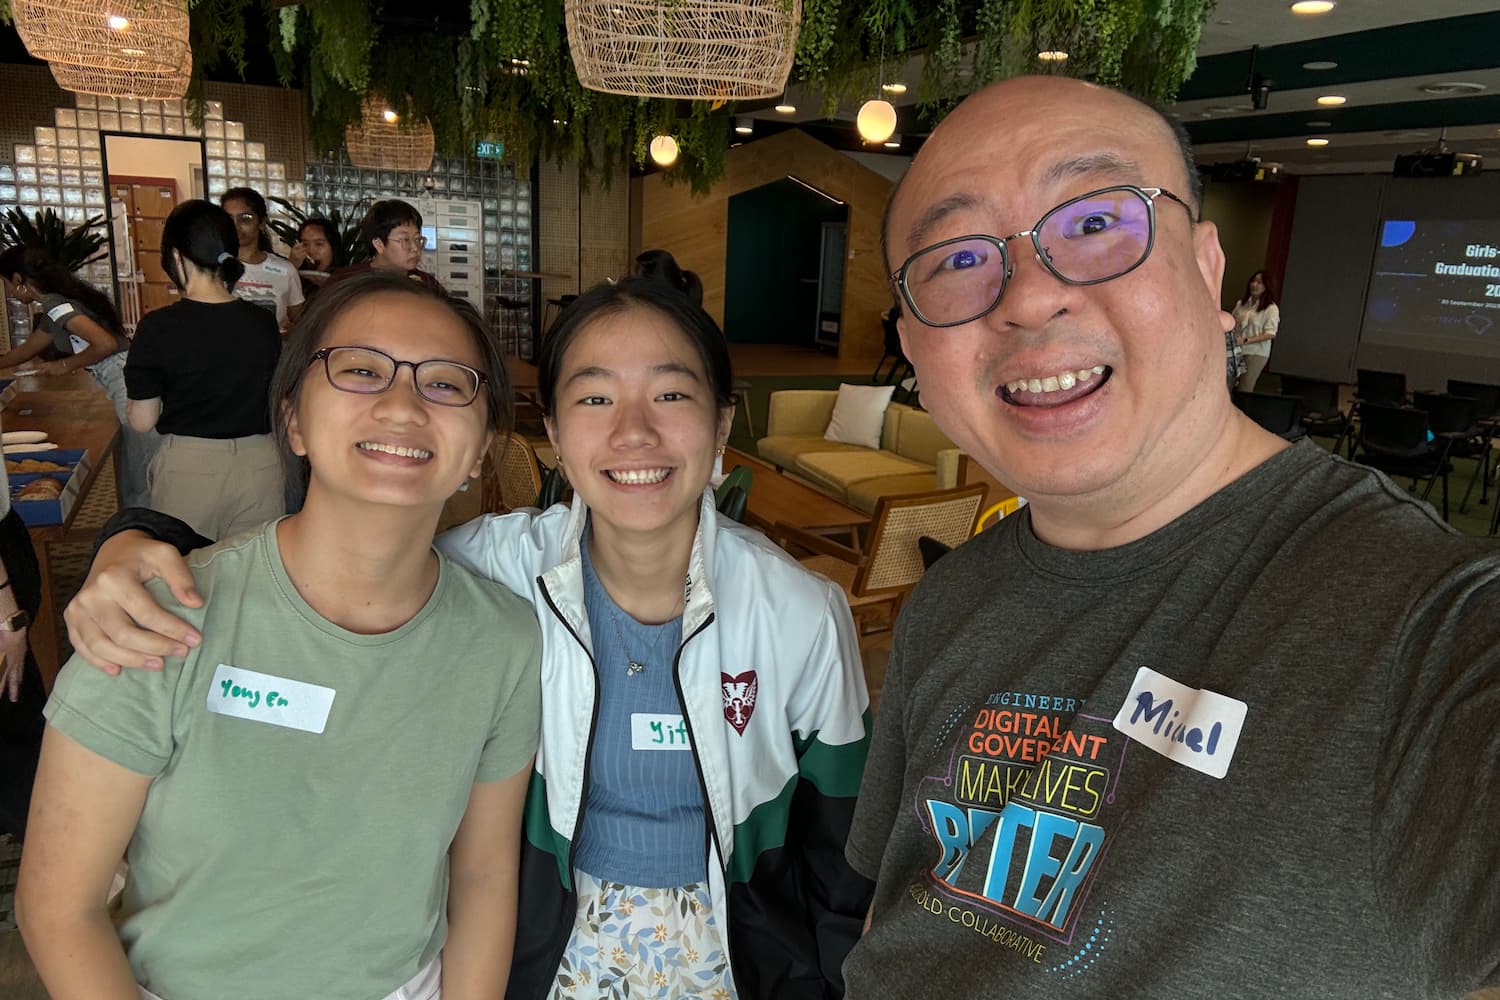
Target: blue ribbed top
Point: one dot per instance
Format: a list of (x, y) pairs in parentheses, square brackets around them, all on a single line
[(643, 825)]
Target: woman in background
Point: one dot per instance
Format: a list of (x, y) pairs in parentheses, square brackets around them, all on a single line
[(1256, 317), (270, 280), (198, 373), (316, 254), (80, 323)]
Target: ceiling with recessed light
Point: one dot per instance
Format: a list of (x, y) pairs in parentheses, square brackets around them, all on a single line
[(1406, 70)]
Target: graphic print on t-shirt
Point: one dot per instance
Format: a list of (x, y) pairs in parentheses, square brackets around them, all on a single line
[(1021, 823), (259, 293)]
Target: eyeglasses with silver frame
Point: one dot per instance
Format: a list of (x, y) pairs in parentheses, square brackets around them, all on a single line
[(1087, 240), (366, 371)]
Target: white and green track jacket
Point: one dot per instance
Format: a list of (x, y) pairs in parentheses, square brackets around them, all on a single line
[(774, 699)]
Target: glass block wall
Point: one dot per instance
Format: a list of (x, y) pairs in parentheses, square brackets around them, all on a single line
[(505, 200), (63, 169)]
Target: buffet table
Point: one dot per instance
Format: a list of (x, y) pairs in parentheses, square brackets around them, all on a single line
[(75, 414)]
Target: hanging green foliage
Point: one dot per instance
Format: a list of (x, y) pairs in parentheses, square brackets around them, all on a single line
[(508, 74)]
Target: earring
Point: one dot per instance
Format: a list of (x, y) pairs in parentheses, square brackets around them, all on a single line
[(719, 451)]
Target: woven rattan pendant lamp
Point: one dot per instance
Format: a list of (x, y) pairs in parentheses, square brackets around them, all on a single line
[(120, 48), (124, 81), (714, 50), (382, 141)]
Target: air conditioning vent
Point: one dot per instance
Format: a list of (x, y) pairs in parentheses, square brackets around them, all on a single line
[(1452, 88)]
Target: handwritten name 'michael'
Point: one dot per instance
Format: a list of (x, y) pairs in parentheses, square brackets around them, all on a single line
[(1162, 718)]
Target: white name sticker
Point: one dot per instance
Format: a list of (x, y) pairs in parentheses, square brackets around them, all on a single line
[(1196, 728), (658, 732), (276, 701)]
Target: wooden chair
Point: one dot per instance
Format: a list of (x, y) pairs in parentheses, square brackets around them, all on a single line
[(511, 477), (877, 578), (997, 512)]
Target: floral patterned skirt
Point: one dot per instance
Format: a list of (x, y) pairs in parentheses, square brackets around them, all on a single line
[(629, 942)]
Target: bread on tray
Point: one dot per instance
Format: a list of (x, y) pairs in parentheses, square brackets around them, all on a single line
[(23, 466), (45, 488)]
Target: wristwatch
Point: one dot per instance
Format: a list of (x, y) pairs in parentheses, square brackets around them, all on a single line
[(18, 620)]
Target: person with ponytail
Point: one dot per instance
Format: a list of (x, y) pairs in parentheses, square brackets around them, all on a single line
[(270, 280), (79, 322), (199, 371), (661, 265)]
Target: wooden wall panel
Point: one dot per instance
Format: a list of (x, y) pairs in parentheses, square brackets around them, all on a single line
[(695, 228)]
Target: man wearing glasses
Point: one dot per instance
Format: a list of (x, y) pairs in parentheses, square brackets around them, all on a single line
[(393, 230), (1213, 716)]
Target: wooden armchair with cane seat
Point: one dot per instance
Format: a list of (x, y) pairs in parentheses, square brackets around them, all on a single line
[(877, 578), (512, 477)]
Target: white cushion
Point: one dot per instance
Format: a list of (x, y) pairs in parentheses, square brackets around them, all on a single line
[(859, 414)]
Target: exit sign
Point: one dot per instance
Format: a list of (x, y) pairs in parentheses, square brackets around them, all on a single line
[(486, 150)]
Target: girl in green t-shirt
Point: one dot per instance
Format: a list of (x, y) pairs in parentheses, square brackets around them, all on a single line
[(287, 833)]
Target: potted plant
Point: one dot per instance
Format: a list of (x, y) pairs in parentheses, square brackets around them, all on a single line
[(355, 249), (45, 231)]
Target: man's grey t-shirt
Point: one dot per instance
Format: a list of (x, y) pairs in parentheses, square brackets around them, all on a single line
[(1025, 846)]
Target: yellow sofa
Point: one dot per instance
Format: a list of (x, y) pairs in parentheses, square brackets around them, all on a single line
[(914, 456)]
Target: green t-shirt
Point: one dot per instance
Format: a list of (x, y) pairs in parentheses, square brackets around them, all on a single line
[(273, 861)]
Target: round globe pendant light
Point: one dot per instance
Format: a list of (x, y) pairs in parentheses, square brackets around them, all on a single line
[(664, 150), (876, 121)]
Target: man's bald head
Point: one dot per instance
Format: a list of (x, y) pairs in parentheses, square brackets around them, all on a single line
[(974, 111)]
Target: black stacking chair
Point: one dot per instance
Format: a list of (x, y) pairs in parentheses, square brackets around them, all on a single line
[(1388, 388), (1370, 386), (1321, 414), (1281, 415), (1456, 420), (1488, 399), (1396, 440)]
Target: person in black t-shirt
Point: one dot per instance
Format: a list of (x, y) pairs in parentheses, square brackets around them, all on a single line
[(198, 372)]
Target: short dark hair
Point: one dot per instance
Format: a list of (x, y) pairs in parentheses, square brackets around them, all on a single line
[(384, 216), (331, 234), (203, 234), (606, 299), (331, 303)]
